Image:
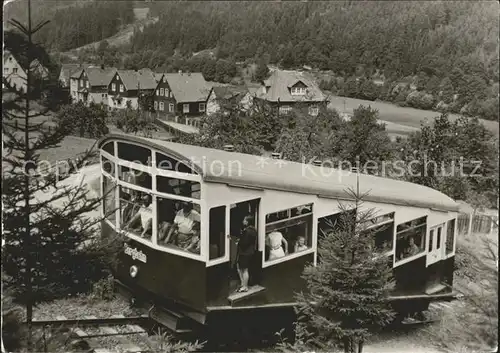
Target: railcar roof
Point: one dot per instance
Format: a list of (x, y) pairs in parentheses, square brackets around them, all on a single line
[(261, 172)]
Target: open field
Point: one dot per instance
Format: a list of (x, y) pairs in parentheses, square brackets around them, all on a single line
[(403, 116)]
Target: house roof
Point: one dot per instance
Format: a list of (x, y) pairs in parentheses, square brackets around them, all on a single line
[(228, 92), (35, 66), (279, 84), (188, 87), (67, 70), (218, 166), (143, 78), (100, 76)]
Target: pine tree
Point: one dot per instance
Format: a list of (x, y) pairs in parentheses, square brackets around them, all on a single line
[(49, 246), (348, 289)]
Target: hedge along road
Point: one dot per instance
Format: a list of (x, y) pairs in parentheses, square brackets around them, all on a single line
[(410, 117)]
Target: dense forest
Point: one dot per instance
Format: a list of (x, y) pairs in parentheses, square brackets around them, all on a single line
[(446, 48), (74, 23)]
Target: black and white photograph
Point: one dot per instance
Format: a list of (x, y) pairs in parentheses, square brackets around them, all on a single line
[(250, 176)]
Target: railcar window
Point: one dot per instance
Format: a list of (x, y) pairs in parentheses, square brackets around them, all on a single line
[(109, 147), (135, 177), (136, 212), (167, 163), (109, 197), (384, 237), (410, 238), (180, 187), (288, 232), (217, 232), (438, 245), (178, 224), (387, 218), (134, 153), (108, 166), (342, 221), (450, 236)]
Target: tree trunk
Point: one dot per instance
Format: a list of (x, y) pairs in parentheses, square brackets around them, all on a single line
[(360, 346)]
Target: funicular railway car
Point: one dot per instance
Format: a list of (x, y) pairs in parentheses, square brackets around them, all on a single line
[(177, 207)]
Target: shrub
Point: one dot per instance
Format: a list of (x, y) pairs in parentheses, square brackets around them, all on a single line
[(420, 100), (103, 289)]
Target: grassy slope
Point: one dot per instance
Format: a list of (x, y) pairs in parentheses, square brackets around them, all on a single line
[(392, 113)]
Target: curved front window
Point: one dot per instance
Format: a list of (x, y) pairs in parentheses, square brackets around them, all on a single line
[(159, 207)]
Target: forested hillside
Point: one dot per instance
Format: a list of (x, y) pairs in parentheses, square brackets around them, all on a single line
[(74, 23), (447, 47)]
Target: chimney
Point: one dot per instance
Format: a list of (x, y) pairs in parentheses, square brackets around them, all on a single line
[(275, 155), (317, 163), (229, 148)]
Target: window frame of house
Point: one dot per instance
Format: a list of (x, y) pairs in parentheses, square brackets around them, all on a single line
[(87, 84), (158, 92), (113, 87), (171, 108), (122, 88), (313, 110), (285, 109), (297, 91), (161, 106), (184, 110), (81, 83), (161, 92), (155, 105), (167, 92), (200, 105), (288, 221)]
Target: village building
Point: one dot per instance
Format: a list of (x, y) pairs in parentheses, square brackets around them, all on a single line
[(89, 85), (15, 72), (228, 96), (285, 90), (181, 95), (126, 86), (67, 70)]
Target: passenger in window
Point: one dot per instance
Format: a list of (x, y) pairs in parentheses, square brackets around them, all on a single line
[(132, 205), (412, 249), (245, 251), (194, 246), (144, 215), (182, 229), (276, 243), (166, 215), (300, 244)]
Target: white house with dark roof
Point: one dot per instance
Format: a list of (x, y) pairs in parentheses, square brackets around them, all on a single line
[(181, 94), (89, 85), (15, 72), (288, 89), (228, 95), (126, 86)]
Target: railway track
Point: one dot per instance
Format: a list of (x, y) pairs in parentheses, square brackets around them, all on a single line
[(432, 315), (116, 334)]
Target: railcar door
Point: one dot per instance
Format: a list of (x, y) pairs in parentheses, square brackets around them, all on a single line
[(237, 214), (435, 247)]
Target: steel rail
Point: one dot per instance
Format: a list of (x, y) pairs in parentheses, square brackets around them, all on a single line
[(92, 321)]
